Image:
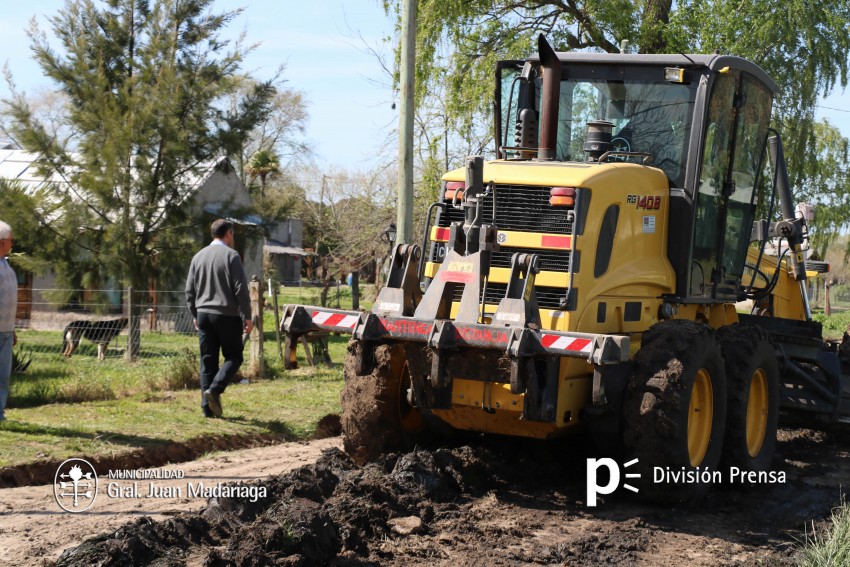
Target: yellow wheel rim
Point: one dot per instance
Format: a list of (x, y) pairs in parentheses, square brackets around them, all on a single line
[(409, 416), (700, 416), (757, 412)]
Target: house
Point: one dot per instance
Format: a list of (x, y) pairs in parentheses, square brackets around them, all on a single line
[(214, 191), (284, 251)]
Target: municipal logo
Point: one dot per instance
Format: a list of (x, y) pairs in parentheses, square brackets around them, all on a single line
[(75, 485)]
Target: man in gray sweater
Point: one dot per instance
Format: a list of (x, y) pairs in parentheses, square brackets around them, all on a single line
[(217, 294)]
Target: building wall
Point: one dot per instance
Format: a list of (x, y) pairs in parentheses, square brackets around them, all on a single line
[(289, 233), (227, 192)]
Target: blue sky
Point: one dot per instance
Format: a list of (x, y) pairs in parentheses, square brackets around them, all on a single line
[(349, 100), (350, 115)]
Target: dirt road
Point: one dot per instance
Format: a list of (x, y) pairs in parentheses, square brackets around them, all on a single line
[(492, 503), (34, 530)]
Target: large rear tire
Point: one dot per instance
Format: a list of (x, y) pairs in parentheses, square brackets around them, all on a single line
[(375, 415), (752, 411), (674, 412)]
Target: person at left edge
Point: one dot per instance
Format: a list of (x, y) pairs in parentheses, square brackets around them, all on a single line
[(8, 308)]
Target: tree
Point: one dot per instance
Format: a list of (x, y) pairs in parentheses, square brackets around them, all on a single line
[(145, 82), (281, 131), (803, 45), (824, 181), (345, 214), (263, 164)]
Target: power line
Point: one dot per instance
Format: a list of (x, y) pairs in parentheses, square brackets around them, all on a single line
[(830, 108)]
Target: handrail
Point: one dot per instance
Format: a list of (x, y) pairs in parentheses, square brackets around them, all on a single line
[(647, 157)]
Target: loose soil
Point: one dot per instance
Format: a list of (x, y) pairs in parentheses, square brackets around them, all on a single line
[(486, 502)]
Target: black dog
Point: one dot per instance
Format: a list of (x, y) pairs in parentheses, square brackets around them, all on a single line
[(100, 332)]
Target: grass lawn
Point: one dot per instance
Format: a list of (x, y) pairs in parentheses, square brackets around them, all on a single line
[(81, 407)]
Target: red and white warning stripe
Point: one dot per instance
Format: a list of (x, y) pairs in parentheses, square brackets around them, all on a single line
[(334, 319), (566, 343)]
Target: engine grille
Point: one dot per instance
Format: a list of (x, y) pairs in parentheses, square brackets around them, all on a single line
[(519, 208), (523, 209), (549, 297), (550, 260)]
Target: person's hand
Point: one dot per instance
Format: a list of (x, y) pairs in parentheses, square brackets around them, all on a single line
[(248, 326), (195, 322)]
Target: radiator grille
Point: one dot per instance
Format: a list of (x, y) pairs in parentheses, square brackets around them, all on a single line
[(550, 260), (522, 209), (548, 297), (519, 208)]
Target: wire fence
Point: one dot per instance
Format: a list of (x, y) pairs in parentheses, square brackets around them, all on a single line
[(104, 323)]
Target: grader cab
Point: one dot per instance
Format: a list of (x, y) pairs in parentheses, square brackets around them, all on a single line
[(586, 279)]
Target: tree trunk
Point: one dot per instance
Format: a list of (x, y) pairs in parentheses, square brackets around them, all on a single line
[(656, 16)]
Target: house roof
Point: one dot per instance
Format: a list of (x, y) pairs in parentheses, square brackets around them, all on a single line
[(22, 166), (276, 247), (218, 209)]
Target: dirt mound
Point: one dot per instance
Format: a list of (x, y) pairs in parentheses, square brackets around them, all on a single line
[(494, 503), (308, 516)]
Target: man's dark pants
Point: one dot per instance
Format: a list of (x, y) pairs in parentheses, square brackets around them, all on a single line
[(224, 333)]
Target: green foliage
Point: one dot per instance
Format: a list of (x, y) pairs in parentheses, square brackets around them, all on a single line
[(831, 544), (26, 210), (144, 83), (263, 164), (835, 325), (823, 181), (804, 46)]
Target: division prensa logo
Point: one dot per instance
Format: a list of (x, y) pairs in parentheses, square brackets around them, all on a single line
[(75, 485), (593, 487)]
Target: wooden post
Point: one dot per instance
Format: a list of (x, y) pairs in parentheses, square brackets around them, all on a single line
[(355, 290), (277, 320), (133, 329), (827, 308), (257, 362)]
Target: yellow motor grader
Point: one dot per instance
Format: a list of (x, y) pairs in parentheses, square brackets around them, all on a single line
[(587, 278)]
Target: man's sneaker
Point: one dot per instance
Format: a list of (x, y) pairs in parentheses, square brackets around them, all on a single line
[(214, 401)]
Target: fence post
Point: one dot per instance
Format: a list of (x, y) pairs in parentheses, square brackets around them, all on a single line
[(133, 330), (277, 321), (257, 362)]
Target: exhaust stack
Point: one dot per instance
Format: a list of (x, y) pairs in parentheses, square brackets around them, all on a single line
[(549, 99)]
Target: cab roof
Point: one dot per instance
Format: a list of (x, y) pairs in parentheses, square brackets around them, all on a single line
[(713, 62)]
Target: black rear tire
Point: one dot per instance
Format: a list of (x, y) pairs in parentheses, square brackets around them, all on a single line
[(752, 410), (674, 412)]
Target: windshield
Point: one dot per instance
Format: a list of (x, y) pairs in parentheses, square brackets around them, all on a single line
[(649, 114)]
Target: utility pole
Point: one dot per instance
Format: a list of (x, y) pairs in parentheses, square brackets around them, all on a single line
[(404, 220)]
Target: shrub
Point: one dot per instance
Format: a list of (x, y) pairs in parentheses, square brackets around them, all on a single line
[(182, 373), (85, 389), (830, 545), (834, 325), (21, 360)]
